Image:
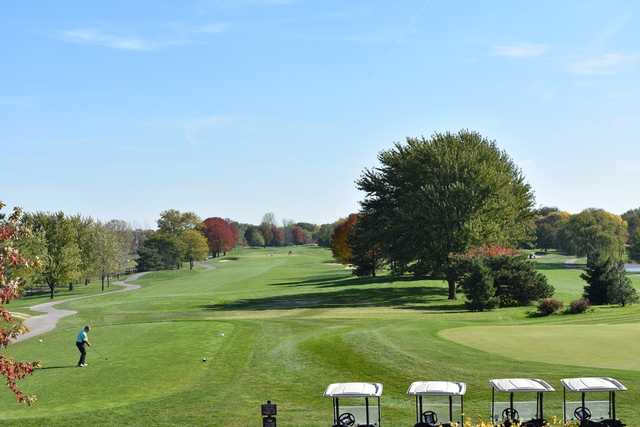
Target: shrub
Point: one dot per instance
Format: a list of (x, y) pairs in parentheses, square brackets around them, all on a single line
[(549, 306), (478, 286), (516, 280), (579, 306)]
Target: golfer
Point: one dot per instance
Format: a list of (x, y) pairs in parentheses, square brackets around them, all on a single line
[(81, 341)]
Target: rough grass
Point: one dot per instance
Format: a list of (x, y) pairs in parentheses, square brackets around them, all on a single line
[(292, 324)]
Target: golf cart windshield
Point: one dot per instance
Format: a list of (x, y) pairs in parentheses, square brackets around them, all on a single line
[(516, 408), (597, 400), (355, 404), (438, 403)]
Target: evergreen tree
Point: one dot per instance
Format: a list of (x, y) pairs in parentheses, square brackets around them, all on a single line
[(479, 287), (607, 281)]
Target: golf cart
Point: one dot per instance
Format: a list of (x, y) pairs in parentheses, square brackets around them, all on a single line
[(435, 402), (592, 413), (355, 415), (524, 413)]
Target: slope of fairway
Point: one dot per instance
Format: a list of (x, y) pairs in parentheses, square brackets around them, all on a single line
[(281, 327), (600, 346)]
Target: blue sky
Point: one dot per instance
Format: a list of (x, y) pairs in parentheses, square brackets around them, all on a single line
[(237, 107)]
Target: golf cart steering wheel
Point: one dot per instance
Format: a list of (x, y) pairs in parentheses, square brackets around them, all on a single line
[(582, 413), (346, 419), (510, 414), (430, 418)]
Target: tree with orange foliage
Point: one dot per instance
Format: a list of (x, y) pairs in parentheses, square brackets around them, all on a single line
[(11, 263), (340, 246)]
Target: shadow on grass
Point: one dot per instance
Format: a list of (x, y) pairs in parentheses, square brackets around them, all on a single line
[(340, 280), (416, 298), (56, 367)]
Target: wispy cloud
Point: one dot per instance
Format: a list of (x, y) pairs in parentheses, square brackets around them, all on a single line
[(195, 129), (115, 40), (90, 36), (520, 50), (607, 63)]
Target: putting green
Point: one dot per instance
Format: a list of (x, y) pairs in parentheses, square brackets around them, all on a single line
[(599, 346)]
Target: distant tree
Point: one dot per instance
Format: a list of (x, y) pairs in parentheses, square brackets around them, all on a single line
[(220, 235), (86, 238), (323, 235), (278, 236), (340, 239), (253, 236), (61, 263), (548, 229), (442, 195), (108, 253), (299, 235), (479, 288), (596, 231), (123, 238), (242, 230), (175, 222), (267, 228), (12, 265), (632, 217), (159, 252), (195, 246), (634, 245), (307, 226), (546, 210), (607, 281)]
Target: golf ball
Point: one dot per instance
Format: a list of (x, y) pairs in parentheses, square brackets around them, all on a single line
[(41, 340), (204, 359)]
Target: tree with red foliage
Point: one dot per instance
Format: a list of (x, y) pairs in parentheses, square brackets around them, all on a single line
[(220, 235), (278, 236), (299, 235), (11, 263), (340, 239), (484, 251)]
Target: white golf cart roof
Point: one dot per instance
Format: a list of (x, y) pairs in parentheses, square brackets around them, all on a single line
[(515, 385), (437, 388), (354, 390), (591, 384)]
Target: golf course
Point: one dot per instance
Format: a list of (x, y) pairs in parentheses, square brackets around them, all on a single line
[(208, 346)]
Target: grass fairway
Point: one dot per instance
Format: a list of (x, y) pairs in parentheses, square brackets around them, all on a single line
[(281, 327)]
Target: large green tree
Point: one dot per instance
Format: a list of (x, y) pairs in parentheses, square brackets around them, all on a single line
[(61, 260), (174, 222), (596, 231), (548, 228), (441, 195)]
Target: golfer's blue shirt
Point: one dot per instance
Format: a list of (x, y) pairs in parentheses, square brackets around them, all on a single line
[(82, 336)]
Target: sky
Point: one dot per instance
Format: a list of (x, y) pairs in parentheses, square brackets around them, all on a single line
[(234, 108)]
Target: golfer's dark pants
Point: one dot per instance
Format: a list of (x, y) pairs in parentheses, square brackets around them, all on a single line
[(83, 352)]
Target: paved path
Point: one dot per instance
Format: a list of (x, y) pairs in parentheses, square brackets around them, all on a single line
[(39, 325)]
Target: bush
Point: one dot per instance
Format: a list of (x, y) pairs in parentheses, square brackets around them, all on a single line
[(549, 306), (579, 306)]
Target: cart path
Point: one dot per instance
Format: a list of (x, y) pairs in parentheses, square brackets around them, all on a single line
[(39, 325)]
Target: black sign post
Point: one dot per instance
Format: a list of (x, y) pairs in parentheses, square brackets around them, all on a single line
[(269, 411)]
